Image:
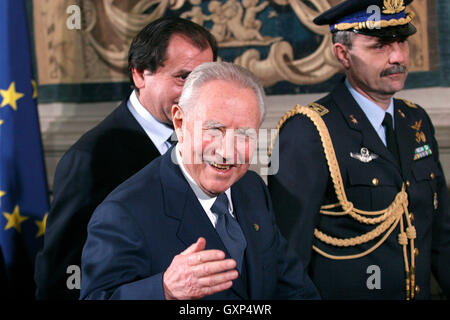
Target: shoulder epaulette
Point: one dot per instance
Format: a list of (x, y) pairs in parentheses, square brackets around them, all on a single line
[(409, 103), (321, 110)]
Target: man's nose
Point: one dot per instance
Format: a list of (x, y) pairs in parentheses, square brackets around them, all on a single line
[(226, 149), (399, 53)]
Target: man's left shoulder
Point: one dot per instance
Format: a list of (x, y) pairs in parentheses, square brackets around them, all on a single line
[(409, 109), (409, 106)]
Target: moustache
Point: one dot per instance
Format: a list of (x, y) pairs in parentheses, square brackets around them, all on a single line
[(395, 69)]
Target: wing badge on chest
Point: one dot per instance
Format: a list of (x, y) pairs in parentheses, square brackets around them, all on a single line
[(364, 155)]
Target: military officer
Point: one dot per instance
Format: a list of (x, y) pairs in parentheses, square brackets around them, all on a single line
[(360, 193)]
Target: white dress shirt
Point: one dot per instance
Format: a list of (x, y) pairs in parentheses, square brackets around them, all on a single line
[(373, 112), (157, 132), (205, 200)]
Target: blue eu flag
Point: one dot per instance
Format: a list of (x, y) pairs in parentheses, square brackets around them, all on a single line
[(23, 187)]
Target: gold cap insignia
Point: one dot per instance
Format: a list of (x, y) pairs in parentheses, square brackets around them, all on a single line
[(393, 6)]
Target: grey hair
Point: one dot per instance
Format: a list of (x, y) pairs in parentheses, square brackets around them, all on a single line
[(344, 37), (220, 71)]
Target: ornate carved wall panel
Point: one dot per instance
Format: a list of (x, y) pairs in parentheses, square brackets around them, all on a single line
[(275, 39)]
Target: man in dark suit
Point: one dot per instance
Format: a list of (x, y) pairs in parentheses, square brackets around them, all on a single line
[(160, 58), (195, 223), (360, 192)]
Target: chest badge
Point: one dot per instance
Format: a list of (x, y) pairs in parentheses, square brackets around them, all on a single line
[(420, 136), (364, 155), (422, 152)]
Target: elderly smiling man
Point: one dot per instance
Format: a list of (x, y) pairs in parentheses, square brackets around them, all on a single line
[(195, 222)]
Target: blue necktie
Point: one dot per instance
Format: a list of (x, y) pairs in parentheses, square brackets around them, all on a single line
[(229, 230), (171, 141)]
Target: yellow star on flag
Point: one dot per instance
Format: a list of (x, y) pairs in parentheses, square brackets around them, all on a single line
[(41, 226), (10, 96), (1, 122), (14, 219), (34, 84)]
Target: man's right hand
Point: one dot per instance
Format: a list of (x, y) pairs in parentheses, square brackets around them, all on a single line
[(197, 272)]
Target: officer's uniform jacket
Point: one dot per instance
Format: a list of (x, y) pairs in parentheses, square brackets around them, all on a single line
[(303, 184)]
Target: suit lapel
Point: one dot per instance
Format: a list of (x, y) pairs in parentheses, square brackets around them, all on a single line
[(182, 204), (351, 110), (138, 141), (242, 209), (405, 138)]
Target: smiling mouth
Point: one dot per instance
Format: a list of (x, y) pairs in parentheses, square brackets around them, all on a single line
[(221, 167)]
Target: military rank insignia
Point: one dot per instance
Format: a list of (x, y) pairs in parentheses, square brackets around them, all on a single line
[(318, 108), (420, 136), (422, 152)]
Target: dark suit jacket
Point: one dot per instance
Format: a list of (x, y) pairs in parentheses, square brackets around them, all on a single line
[(4, 290), (153, 216), (303, 184), (97, 163)]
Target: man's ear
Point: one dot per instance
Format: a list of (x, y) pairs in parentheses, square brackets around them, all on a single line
[(138, 78), (341, 52), (177, 120)]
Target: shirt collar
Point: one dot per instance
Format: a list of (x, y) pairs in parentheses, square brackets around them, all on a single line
[(158, 132), (205, 200), (373, 112)]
